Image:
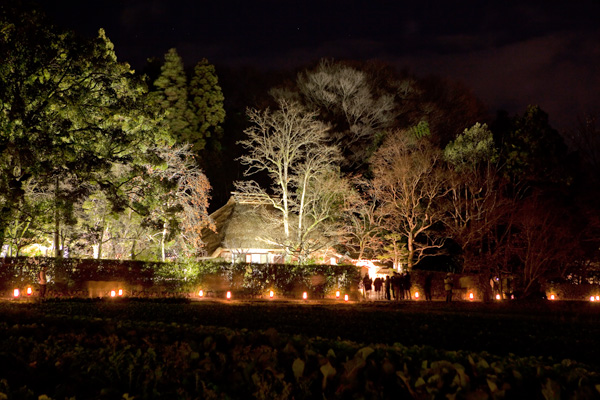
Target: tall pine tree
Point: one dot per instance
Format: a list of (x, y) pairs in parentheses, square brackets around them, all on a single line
[(172, 96), (207, 102)]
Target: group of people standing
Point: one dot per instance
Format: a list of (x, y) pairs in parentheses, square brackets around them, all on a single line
[(396, 287)]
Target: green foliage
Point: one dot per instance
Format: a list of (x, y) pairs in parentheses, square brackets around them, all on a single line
[(533, 150), (207, 102), (473, 147), (121, 358), (420, 130), (68, 275)]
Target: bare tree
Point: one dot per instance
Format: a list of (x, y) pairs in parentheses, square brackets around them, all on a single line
[(290, 145), (344, 96), (362, 224), (409, 186), (183, 206)]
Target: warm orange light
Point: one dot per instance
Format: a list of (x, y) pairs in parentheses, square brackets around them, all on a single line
[(337, 294), (29, 291), (597, 298), (113, 293), (416, 295), (592, 298), (271, 294), (228, 295), (120, 292), (497, 297), (552, 297), (346, 297), (201, 293), (305, 295), (471, 296), (16, 292)]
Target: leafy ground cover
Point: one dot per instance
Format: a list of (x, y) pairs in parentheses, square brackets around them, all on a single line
[(176, 348)]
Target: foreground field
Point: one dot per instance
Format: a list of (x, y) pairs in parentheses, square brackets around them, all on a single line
[(262, 349)]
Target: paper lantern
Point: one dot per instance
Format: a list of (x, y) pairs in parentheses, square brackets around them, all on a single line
[(29, 291), (305, 295), (113, 293), (228, 295), (16, 293), (201, 293)]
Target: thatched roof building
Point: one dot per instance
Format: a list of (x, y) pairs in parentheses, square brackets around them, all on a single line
[(241, 227)]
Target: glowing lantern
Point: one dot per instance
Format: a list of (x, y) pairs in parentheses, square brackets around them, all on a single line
[(552, 297), (228, 295), (113, 293), (16, 293), (471, 296), (29, 291), (346, 298), (497, 297), (305, 295), (337, 294), (120, 292), (597, 298), (271, 294), (592, 298), (201, 293)]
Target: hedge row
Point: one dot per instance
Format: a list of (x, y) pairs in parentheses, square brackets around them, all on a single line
[(74, 276)]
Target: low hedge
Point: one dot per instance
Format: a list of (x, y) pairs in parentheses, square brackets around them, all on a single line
[(72, 276)]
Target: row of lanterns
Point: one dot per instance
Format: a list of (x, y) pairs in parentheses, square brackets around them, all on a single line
[(120, 293), (228, 295)]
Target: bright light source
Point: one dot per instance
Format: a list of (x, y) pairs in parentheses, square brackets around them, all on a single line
[(271, 294), (597, 298), (497, 297), (305, 295), (416, 295), (228, 295), (120, 292), (16, 293), (471, 296), (592, 298), (201, 293), (113, 293), (29, 291), (337, 294), (346, 297), (552, 297)]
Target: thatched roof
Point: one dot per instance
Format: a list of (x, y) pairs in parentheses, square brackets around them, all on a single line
[(239, 225)]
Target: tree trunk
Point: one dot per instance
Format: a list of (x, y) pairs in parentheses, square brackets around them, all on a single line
[(57, 249), (162, 242)]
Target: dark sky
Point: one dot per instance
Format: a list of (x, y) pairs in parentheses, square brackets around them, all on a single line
[(510, 53)]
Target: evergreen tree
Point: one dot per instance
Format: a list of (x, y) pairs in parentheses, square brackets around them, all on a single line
[(207, 102), (172, 97)]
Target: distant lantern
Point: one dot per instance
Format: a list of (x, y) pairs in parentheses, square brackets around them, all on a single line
[(552, 297), (29, 291), (201, 293), (271, 294), (16, 293), (113, 293), (471, 296), (497, 297), (592, 298), (416, 295), (337, 294), (120, 292), (346, 297), (597, 298), (228, 295), (305, 295)]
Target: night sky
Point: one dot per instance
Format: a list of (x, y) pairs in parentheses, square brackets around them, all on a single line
[(509, 53)]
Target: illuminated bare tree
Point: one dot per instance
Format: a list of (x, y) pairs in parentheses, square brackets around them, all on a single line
[(409, 186), (290, 145), (345, 96)]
